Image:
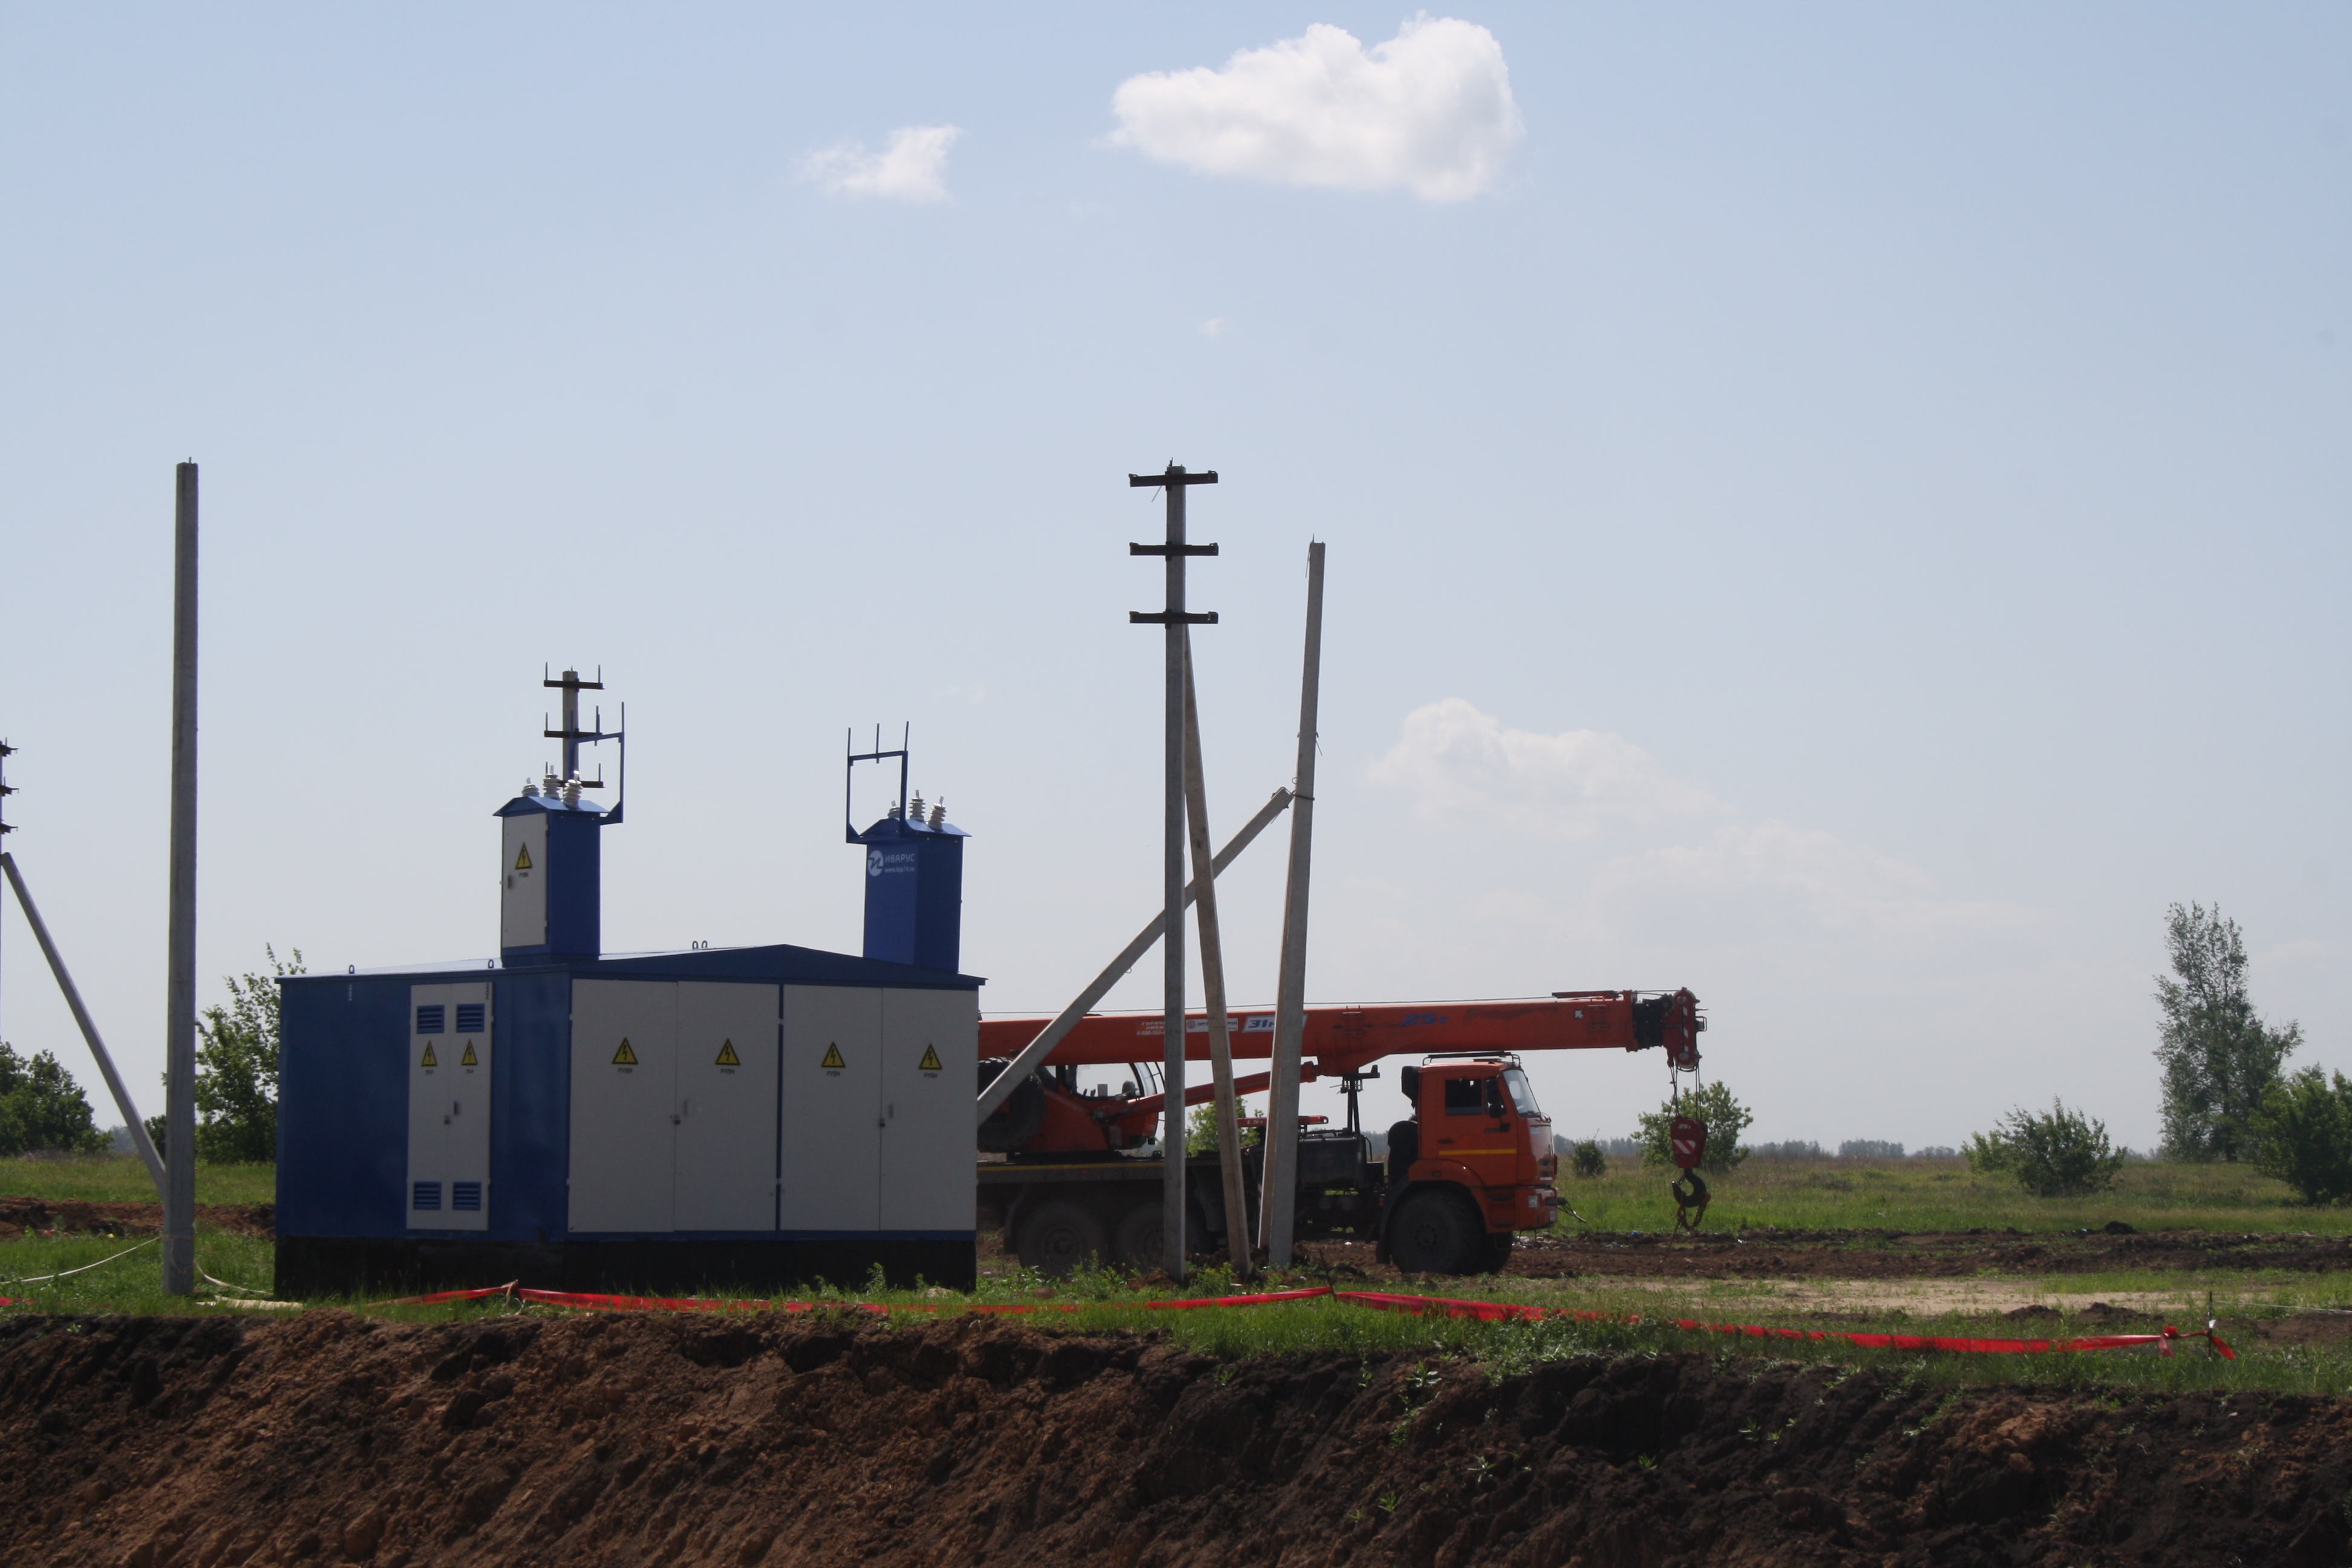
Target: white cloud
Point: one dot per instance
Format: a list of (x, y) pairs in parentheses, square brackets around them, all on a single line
[(1466, 771), (1214, 327), (913, 168), (1430, 110)]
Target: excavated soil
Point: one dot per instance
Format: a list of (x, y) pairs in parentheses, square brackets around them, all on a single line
[(158, 1442), (70, 1217)]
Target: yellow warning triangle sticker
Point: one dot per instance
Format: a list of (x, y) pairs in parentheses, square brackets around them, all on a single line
[(469, 1059), (833, 1056), (727, 1056), (522, 858), (930, 1062), (624, 1058), (428, 1061)]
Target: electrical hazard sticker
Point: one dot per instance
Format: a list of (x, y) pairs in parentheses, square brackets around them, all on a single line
[(727, 1056), (624, 1058), (469, 1059), (522, 858), (930, 1062), (429, 1060), (832, 1062)]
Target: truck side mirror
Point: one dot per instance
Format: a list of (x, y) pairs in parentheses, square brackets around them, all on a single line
[(1409, 1079)]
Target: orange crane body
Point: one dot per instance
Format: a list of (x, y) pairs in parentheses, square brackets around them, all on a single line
[(1471, 1165)]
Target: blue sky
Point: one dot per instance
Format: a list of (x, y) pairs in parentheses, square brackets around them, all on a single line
[(1831, 506)]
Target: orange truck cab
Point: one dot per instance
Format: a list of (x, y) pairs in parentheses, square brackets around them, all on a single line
[(1470, 1168)]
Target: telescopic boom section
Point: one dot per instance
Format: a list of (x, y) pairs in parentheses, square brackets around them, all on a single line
[(1347, 1039)]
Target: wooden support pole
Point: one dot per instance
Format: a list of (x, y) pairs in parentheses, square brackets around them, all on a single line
[(1213, 985)]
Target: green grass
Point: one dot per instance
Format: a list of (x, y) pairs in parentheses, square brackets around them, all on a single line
[(124, 1179), (1913, 1195), (1105, 1301)]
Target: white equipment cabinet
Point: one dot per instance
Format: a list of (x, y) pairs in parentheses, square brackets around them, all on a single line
[(832, 1100), (732, 1107), (673, 1106), (928, 1178), (450, 1107), (522, 891)]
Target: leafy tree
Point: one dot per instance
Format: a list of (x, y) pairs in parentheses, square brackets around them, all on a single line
[(1587, 1158), (41, 1106), (1201, 1128), (2057, 1155), (2219, 1058), (1725, 1119), (2305, 1133), (237, 1070)]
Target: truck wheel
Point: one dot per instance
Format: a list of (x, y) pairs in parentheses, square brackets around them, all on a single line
[(1059, 1236), (1139, 1241), (1497, 1254), (1436, 1233)]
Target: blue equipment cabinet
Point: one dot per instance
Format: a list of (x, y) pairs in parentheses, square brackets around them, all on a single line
[(736, 1118)]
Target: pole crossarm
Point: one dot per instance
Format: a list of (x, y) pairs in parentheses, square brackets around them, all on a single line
[(1172, 617), (1175, 476)]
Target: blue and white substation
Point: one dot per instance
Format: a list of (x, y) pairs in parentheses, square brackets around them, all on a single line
[(713, 1119)]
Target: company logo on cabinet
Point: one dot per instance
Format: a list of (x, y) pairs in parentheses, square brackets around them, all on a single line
[(874, 862), (881, 862)]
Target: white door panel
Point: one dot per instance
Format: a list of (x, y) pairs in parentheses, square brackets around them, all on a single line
[(726, 1106), (450, 1107), (624, 1105), (831, 1090), (522, 884), (931, 1047)]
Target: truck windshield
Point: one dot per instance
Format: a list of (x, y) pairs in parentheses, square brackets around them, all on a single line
[(1522, 1096)]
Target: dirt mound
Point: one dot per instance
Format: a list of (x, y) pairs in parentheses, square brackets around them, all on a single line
[(160, 1442), (70, 1217)]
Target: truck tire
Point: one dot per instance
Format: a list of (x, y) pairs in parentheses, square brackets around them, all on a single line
[(1014, 1125), (1060, 1235), (1497, 1256), (1435, 1232), (1139, 1240)]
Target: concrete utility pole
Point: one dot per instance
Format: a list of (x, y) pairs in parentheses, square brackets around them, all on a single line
[(1175, 618), (1290, 998), (1213, 987), (180, 995), (6, 789)]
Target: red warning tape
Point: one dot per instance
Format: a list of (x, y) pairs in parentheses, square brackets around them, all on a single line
[(1503, 1311)]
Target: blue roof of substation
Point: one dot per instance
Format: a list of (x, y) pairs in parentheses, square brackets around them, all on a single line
[(782, 962)]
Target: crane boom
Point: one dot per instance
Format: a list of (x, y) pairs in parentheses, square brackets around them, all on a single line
[(1346, 1038)]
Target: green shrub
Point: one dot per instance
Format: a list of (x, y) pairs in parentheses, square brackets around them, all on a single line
[(2303, 1135), (1587, 1160), (2062, 1154), (41, 1106), (1725, 1119)]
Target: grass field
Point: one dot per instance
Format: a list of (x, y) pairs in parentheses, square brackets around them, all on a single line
[(1911, 1195), (1915, 1196), (124, 1179)]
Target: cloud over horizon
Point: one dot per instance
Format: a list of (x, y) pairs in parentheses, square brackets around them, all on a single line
[(913, 168), (1466, 771), (1430, 111)]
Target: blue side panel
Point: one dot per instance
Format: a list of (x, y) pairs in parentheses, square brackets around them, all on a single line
[(530, 1106), (343, 1107), (914, 894), (574, 875), (939, 906)]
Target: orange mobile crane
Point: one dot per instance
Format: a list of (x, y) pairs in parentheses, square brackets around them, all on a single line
[(1075, 1175)]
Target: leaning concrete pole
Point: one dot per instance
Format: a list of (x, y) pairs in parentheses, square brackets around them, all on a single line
[(1212, 985), (180, 995), (139, 1138), (1290, 998)]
